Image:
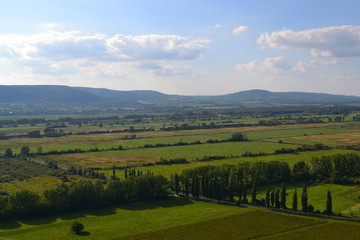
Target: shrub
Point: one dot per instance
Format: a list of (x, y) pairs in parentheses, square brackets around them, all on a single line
[(77, 227)]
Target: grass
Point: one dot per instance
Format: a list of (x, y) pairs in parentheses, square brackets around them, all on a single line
[(112, 223), (143, 155), (241, 226), (260, 133), (177, 218)]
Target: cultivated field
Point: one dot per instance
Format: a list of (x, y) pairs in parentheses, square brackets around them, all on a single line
[(178, 218)]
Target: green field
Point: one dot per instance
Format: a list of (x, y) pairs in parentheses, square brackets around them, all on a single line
[(176, 218), (180, 218)]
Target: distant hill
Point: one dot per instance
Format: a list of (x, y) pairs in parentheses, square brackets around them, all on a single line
[(45, 94), (266, 97), (49, 94)]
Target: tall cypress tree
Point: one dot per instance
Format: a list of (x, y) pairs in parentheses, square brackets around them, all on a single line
[(253, 193), (193, 186), (245, 195), (283, 196), (329, 203), (240, 193), (186, 186), (197, 186), (272, 198), (267, 198), (277, 198), (114, 172), (176, 183), (295, 201), (304, 199), (231, 184)]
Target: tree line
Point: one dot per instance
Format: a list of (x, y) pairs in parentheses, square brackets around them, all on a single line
[(229, 180), (84, 195)]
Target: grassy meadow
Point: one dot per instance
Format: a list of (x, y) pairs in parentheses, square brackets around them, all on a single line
[(175, 218)]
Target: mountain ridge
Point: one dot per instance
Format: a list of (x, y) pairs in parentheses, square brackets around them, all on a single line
[(85, 95)]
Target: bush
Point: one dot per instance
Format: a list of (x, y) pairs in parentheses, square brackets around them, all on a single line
[(77, 227), (238, 137)]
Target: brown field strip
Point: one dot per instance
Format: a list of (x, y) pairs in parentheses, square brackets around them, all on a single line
[(350, 138)]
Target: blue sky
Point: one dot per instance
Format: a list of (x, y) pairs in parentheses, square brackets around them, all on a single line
[(183, 47)]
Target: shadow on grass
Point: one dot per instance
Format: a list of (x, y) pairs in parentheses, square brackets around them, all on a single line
[(71, 216), (102, 212), (38, 221), (9, 225), (83, 233), (164, 203)]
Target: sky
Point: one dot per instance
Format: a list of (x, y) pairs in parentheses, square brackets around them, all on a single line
[(198, 47)]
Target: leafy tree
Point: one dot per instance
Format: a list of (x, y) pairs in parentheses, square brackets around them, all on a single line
[(24, 151), (238, 137), (23, 202), (295, 201), (304, 199), (39, 150), (77, 227), (9, 152), (328, 203)]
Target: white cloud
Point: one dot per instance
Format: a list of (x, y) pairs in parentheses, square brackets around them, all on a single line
[(174, 70), (216, 26), (67, 45), (156, 47), (240, 30), (274, 65), (337, 41)]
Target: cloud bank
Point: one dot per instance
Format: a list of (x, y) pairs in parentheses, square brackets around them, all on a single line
[(337, 41), (68, 45), (274, 65)]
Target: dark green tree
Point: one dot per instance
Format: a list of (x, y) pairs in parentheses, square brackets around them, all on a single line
[(113, 172), (283, 196), (8, 152), (304, 199), (244, 200), (176, 184), (240, 193), (328, 203), (187, 186), (253, 192), (277, 198), (267, 198), (238, 137), (295, 201), (272, 198), (24, 151)]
